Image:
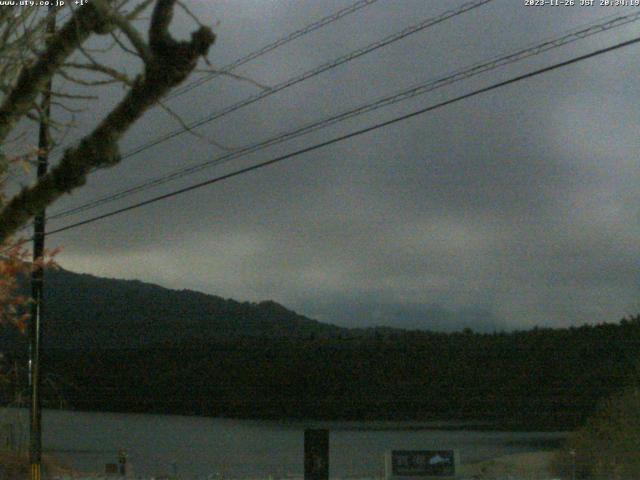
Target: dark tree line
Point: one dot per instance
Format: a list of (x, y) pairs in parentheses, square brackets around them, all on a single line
[(542, 378)]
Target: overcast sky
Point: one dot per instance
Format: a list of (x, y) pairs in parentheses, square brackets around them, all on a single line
[(514, 208)]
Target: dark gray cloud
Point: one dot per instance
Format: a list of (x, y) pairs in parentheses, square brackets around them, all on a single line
[(507, 210)]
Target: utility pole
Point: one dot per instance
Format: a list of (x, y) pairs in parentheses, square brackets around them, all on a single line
[(37, 280)]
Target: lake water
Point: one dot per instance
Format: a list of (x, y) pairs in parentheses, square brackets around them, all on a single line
[(196, 447)]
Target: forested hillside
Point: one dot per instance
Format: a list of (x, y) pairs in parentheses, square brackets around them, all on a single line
[(87, 312), (221, 357), (537, 379)]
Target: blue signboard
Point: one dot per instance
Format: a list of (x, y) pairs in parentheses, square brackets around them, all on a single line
[(421, 463)]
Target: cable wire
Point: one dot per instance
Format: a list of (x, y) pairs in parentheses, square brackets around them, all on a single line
[(420, 89), (360, 4), (430, 22), (309, 74), (353, 134), (272, 46)]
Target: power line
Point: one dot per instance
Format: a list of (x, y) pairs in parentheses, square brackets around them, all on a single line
[(360, 4), (272, 46), (423, 88), (430, 22), (309, 74), (356, 133)]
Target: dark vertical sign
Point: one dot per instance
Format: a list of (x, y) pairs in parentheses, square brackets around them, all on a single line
[(316, 454), (122, 462)]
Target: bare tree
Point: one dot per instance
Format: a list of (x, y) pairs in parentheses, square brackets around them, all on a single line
[(35, 58)]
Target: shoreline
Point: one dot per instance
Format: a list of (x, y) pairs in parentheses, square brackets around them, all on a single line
[(351, 424), (534, 464)]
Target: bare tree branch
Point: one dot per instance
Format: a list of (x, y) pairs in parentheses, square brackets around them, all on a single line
[(189, 13), (134, 14), (170, 63), (73, 96), (190, 130), (160, 21), (235, 76), (97, 67), (33, 78), (123, 24), (121, 44), (107, 48), (86, 83)]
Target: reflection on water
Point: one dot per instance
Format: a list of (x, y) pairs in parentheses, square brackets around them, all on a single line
[(196, 447)]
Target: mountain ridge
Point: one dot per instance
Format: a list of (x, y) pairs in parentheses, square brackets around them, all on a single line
[(84, 311)]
